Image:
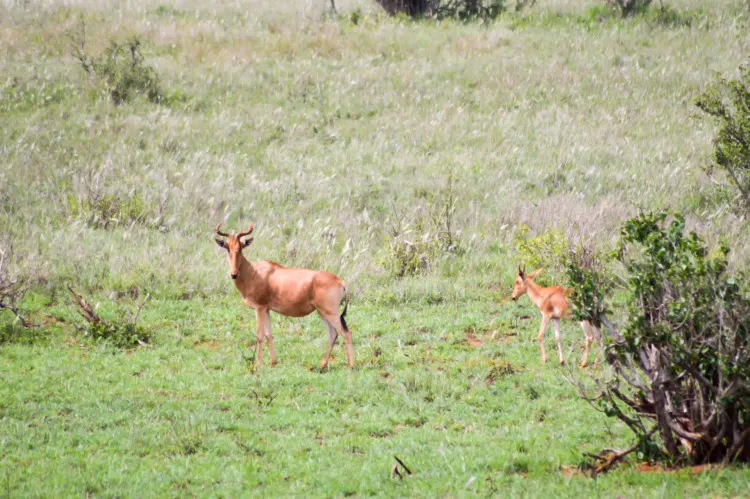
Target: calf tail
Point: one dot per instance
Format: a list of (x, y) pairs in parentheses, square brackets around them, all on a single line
[(343, 314)]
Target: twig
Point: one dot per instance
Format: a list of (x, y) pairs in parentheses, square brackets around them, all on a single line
[(408, 471), (137, 312), (394, 471)]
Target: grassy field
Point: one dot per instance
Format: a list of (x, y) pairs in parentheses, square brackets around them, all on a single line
[(339, 137)]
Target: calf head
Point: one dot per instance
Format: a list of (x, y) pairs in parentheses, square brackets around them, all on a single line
[(522, 278)]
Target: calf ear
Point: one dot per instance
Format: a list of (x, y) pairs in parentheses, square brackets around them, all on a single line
[(534, 273), (221, 243), (247, 242)]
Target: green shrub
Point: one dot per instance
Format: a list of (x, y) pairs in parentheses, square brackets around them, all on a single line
[(119, 334), (125, 74), (464, 10), (682, 365), (548, 249), (104, 211), (728, 101), (412, 251), (121, 68)]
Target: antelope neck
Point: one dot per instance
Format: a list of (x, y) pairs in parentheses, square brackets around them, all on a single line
[(534, 291), (245, 269)]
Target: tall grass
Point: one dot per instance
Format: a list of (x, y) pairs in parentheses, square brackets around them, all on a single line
[(325, 133)]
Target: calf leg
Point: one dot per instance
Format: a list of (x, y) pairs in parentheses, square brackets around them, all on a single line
[(589, 337), (598, 339), (540, 337), (556, 326)]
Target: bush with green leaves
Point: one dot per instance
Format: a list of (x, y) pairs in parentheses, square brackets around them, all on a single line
[(682, 366), (118, 333), (121, 68), (463, 10), (547, 249), (728, 101)]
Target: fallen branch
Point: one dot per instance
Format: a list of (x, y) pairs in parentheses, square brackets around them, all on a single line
[(86, 311), (25, 323)]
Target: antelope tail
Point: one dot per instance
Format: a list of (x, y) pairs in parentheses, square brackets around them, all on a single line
[(343, 314)]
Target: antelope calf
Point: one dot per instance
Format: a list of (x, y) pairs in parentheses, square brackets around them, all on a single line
[(553, 305), (266, 286)]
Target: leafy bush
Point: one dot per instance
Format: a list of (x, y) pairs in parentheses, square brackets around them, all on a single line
[(125, 73), (121, 68), (728, 101), (585, 271), (119, 334), (629, 7), (548, 249), (682, 365), (411, 251), (464, 10), (13, 285), (104, 211)]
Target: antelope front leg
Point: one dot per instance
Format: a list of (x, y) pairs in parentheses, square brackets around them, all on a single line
[(556, 326), (269, 337), (540, 337), (260, 320)]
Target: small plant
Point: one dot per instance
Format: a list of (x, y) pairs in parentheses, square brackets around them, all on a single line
[(728, 101), (121, 68), (104, 211), (13, 287), (464, 10), (411, 251), (629, 7), (118, 333), (548, 249), (470, 10), (682, 365)]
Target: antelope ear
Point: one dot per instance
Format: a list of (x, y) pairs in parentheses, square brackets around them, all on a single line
[(534, 273), (221, 243), (247, 242)]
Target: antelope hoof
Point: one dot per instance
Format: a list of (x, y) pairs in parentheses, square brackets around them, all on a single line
[(273, 363), (584, 365), (562, 362)]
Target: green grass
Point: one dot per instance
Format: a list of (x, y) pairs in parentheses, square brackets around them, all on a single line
[(336, 140), (187, 416)]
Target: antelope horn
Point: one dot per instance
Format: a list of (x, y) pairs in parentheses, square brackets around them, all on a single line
[(243, 234), (219, 232)]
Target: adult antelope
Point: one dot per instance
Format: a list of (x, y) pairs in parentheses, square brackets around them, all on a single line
[(553, 305), (266, 286)]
